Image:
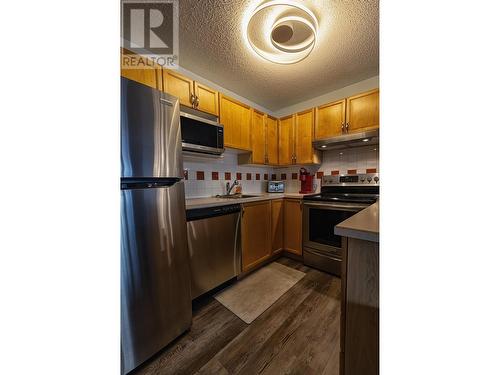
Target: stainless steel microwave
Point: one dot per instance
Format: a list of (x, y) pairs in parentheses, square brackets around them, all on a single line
[(201, 135)]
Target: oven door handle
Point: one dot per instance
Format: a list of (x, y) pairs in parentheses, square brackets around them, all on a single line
[(335, 206)]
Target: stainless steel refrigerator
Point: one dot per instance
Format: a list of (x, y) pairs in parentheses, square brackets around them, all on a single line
[(155, 275)]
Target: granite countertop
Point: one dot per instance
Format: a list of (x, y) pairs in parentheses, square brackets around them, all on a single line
[(363, 225), (213, 201)]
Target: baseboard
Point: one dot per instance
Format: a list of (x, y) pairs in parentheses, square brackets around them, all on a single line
[(293, 256)]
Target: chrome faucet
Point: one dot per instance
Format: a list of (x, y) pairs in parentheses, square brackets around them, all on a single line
[(230, 187)]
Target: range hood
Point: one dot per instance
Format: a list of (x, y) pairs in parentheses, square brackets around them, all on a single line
[(367, 138)]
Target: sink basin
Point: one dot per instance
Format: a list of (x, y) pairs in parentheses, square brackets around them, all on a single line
[(237, 196)]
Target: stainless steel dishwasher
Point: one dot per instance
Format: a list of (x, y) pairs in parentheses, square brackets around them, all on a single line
[(214, 246)]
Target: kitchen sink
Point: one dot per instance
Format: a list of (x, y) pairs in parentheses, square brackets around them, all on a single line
[(237, 196)]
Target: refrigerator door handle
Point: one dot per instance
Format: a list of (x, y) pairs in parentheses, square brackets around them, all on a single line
[(167, 102)]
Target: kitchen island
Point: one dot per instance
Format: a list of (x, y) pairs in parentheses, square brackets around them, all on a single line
[(359, 345)]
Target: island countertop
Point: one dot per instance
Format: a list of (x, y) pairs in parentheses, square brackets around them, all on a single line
[(364, 225)]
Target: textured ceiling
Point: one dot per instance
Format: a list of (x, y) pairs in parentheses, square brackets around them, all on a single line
[(347, 50)]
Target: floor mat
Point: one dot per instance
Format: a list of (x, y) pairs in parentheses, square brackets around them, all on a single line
[(254, 294)]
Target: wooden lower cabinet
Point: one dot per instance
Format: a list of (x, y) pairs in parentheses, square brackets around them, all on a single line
[(277, 216), (255, 233), (359, 324), (292, 211)]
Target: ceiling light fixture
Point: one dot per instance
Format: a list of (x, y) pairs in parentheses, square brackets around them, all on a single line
[(283, 32)]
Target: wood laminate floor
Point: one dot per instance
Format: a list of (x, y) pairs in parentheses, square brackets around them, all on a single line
[(299, 334)]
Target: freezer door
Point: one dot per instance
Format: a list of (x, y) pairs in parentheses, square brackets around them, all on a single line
[(155, 274), (150, 132)]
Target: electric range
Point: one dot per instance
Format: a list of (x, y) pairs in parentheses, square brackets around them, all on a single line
[(341, 197)]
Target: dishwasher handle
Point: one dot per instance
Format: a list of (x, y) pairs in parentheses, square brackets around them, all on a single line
[(208, 212)]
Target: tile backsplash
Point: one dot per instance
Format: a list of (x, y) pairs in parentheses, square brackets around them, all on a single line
[(208, 177)]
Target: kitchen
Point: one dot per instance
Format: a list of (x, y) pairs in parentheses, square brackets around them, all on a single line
[(241, 229), (225, 239), (239, 206)]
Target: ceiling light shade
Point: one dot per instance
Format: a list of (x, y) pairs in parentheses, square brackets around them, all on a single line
[(283, 32)]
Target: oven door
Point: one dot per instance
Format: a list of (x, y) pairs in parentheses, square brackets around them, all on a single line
[(323, 248)]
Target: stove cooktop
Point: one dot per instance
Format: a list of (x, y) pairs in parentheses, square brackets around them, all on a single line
[(360, 188), (355, 198)]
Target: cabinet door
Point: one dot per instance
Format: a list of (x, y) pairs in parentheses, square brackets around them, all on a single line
[(229, 117), (255, 234), (363, 111), (246, 127), (258, 138), (178, 85), (236, 118), (293, 225), (144, 70), (303, 137), (277, 225), (329, 120), (207, 99), (272, 140), (286, 140)]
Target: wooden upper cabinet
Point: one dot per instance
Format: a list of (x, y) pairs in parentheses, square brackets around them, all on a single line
[(329, 120), (277, 225), (363, 111), (272, 140), (293, 225), (246, 127), (236, 118), (286, 136), (255, 233), (304, 152), (144, 70), (178, 85), (258, 138), (207, 99)]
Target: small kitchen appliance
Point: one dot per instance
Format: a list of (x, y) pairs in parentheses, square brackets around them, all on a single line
[(306, 181), (275, 187)]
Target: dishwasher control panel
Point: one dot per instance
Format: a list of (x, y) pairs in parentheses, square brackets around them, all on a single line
[(206, 212)]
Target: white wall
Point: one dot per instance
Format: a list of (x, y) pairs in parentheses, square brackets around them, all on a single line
[(356, 88), (360, 159), (229, 163)]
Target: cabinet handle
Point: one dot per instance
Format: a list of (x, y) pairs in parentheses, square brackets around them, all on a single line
[(343, 128), (192, 99), (347, 127), (197, 102)]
